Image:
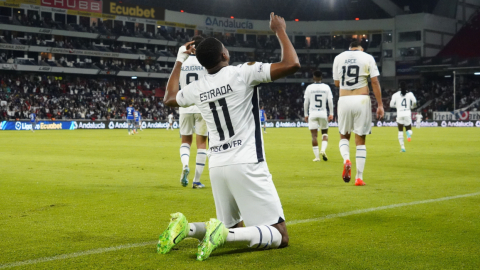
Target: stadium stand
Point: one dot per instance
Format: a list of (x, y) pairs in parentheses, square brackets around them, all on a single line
[(80, 67)]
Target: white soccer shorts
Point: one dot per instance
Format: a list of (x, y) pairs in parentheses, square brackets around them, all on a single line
[(190, 120), (245, 192), (405, 120), (355, 115), (317, 122)]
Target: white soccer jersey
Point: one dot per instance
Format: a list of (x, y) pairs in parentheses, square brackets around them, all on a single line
[(316, 97), (419, 117), (191, 71), (352, 68), (403, 104), (228, 101), (170, 118)]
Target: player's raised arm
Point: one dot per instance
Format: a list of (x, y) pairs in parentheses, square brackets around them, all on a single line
[(289, 63), (170, 98)]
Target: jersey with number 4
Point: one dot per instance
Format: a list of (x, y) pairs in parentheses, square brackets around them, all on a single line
[(316, 97), (228, 102), (352, 68), (191, 71), (403, 104)]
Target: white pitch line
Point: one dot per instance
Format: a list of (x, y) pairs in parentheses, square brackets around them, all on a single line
[(361, 211), (293, 222)]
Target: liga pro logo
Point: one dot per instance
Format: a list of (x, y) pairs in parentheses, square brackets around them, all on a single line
[(123, 9)]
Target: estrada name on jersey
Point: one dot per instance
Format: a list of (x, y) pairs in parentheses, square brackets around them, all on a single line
[(316, 97), (228, 101), (352, 68), (403, 104), (191, 71)]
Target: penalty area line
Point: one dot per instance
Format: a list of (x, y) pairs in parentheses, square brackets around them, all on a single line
[(293, 222)]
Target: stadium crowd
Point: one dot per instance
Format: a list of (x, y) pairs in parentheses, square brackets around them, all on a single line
[(79, 98), (100, 98)]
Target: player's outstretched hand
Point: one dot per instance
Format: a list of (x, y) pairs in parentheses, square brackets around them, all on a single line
[(306, 119), (277, 23), (380, 113), (330, 118)]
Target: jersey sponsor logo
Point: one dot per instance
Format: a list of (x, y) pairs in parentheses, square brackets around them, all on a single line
[(215, 92), (225, 146)]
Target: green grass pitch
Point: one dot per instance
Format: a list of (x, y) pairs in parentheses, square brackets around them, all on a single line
[(99, 200)]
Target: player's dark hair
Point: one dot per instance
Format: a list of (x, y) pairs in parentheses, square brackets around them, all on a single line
[(403, 88), (197, 40), (209, 52), (317, 74), (355, 43)]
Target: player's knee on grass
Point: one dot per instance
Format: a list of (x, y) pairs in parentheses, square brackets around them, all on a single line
[(282, 228)]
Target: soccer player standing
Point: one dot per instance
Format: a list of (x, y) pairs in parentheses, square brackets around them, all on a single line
[(33, 120), (191, 118), (316, 97), (136, 116), (404, 102), (263, 119), (130, 118), (140, 120), (170, 121), (242, 185), (350, 72), (419, 117)]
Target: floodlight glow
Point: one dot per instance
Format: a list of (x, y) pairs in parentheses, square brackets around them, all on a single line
[(134, 78), (448, 76), (477, 73)]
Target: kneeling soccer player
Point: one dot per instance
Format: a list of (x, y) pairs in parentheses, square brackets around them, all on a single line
[(242, 185)]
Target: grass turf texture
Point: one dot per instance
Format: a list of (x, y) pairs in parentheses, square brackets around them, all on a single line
[(75, 191)]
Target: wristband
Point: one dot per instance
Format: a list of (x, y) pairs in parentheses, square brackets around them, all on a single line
[(181, 55)]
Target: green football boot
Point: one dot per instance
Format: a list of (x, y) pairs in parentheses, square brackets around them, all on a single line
[(215, 237), (177, 231)]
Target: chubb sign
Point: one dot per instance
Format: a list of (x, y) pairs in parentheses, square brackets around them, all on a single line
[(228, 23)]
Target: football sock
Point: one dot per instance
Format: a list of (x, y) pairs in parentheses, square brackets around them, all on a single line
[(315, 151), (410, 132), (197, 230), (200, 164), (185, 153), (324, 143), (344, 145), (361, 157), (400, 139), (263, 236)]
